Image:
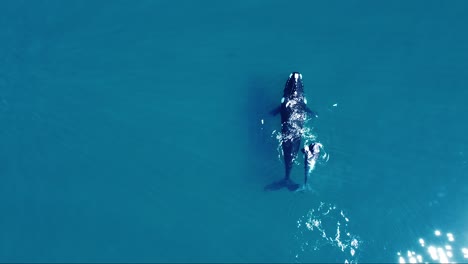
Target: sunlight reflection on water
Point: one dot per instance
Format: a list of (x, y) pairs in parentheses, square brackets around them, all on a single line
[(443, 250)]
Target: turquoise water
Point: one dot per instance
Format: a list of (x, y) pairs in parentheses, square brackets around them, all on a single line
[(131, 131)]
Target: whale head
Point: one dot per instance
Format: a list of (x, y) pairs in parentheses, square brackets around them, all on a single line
[(294, 87)]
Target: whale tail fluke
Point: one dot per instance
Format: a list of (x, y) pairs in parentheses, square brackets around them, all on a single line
[(304, 188), (284, 183)]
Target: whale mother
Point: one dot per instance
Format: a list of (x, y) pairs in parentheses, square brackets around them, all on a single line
[(293, 110)]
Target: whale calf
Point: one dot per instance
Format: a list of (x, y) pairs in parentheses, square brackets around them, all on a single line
[(311, 154)]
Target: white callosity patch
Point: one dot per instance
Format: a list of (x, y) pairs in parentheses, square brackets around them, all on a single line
[(291, 103)]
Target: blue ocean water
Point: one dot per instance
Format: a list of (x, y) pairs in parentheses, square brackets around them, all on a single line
[(131, 131)]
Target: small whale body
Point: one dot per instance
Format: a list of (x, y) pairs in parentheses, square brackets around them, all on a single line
[(294, 111), (311, 154)]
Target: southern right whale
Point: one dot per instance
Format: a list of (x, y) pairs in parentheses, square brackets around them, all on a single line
[(311, 154), (293, 110)]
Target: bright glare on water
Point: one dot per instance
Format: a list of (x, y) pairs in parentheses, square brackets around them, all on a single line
[(440, 248)]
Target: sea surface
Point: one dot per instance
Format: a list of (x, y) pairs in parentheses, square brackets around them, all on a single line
[(139, 131)]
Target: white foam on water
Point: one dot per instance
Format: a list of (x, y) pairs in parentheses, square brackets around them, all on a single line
[(326, 226)]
